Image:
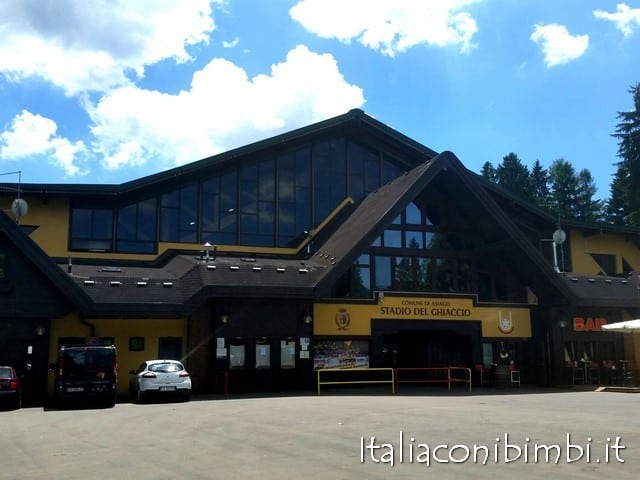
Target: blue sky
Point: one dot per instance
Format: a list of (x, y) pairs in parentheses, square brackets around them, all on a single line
[(108, 91)]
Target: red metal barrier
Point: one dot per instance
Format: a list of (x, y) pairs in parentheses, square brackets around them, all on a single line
[(446, 375)]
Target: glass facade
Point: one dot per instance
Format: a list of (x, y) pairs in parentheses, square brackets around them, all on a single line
[(92, 229), (179, 215), (137, 227), (414, 254), (273, 201)]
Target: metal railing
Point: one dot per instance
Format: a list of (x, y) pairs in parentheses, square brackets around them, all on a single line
[(446, 375), (357, 376)]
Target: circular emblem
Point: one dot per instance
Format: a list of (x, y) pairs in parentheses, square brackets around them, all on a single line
[(342, 319), (505, 324)]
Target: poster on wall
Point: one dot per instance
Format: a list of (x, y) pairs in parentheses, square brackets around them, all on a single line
[(340, 354)]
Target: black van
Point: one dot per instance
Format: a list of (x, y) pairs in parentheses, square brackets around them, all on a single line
[(86, 372)]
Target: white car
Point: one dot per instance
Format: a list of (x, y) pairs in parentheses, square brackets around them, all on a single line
[(161, 378)]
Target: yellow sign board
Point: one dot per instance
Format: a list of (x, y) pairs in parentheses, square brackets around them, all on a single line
[(355, 318)]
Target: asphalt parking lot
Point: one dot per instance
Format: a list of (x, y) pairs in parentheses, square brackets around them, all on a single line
[(339, 435)]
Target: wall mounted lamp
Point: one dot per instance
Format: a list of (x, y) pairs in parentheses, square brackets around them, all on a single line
[(224, 318), (308, 319)]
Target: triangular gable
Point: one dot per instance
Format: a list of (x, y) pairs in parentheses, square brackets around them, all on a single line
[(379, 208)]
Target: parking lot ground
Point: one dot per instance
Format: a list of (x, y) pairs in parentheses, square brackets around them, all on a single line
[(341, 434)]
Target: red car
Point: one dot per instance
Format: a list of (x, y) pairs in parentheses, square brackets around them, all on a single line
[(10, 388)]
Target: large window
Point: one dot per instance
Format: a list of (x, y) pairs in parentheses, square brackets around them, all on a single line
[(275, 201), (179, 215), (415, 254), (92, 229), (294, 196), (389, 170), (257, 207), (364, 171), (219, 197), (361, 281), (329, 170), (136, 227), (382, 272)]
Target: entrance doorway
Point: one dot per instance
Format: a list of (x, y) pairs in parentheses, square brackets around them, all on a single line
[(411, 344), (433, 349)]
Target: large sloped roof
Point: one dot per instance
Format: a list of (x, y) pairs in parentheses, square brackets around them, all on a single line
[(604, 291), (354, 123), (185, 281)]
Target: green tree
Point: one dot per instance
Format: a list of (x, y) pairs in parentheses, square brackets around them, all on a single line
[(628, 135), (616, 208), (586, 208), (564, 187), (514, 176), (540, 184), (488, 171)]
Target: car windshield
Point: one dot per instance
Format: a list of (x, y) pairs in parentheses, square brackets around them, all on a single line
[(5, 372), (78, 361), (165, 367)]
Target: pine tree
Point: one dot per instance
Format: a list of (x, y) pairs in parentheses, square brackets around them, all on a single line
[(488, 172), (587, 209), (514, 176), (564, 187), (616, 211), (540, 184), (628, 135)]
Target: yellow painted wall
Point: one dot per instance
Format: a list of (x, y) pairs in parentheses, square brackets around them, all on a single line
[(121, 330), (609, 244), (52, 220), (355, 319)]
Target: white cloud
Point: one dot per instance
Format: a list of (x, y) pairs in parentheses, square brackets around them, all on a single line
[(389, 26), (81, 45), (222, 109), (558, 45), (233, 43), (625, 18), (32, 135)]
